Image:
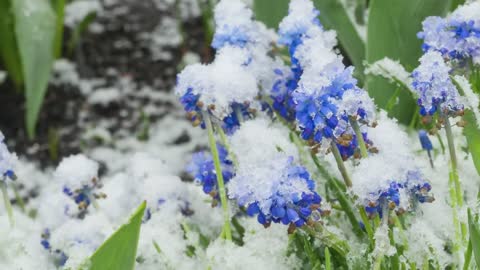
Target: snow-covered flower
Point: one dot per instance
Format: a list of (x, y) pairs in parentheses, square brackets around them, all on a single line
[(435, 89), (59, 257), (277, 191), (400, 195), (456, 36), (233, 24), (7, 160), (78, 176), (202, 169)]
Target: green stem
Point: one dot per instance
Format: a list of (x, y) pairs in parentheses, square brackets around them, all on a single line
[(441, 143), (414, 120), (6, 200), (218, 169), (453, 160), (454, 176), (224, 140), (360, 140), (329, 239), (341, 165), (328, 263), (468, 256), (342, 199)]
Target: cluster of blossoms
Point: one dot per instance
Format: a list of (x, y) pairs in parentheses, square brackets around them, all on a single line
[(241, 45), (279, 191), (324, 95), (81, 186), (435, 89), (398, 196), (202, 169), (317, 93), (7, 161), (457, 36)]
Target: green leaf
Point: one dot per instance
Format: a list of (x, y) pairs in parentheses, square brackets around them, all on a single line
[(59, 6), (474, 237), (392, 32), (119, 251), (472, 133), (8, 46), (456, 3), (79, 30), (35, 32), (270, 12), (332, 16)]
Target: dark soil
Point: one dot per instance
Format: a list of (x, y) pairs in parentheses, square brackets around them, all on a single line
[(59, 128)]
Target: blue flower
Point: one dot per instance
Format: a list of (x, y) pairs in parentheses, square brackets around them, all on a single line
[(281, 94), (202, 169), (278, 191), (60, 258), (7, 161), (432, 83), (456, 37), (400, 196), (424, 140), (233, 25)]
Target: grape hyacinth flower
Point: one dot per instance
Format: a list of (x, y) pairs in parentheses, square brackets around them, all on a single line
[(78, 176), (281, 93), (426, 144), (278, 191), (202, 169), (435, 89), (456, 36), (226, 89), (322, 115), (399, 196), (233, 25)]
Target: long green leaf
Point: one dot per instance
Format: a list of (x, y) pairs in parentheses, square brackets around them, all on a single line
[(332, 15), (59, 6), (8, 44), (392, 29), (270, 12), (119, 251), (472, 133), (474, 231), (35, 32)]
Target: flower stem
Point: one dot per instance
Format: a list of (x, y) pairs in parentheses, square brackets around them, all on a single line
[(360, 140), (328, 238), (341, 166), (455, 190), (453, 161), (6, 200), (221, 185), (224, 140)]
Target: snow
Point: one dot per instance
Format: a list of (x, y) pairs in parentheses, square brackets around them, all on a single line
[(471, 99), (77, 10), (392, 70), (76, 171)]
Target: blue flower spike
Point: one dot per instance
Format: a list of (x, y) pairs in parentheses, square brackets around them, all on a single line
[(202, 169), (426, 144), (284, 193)]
